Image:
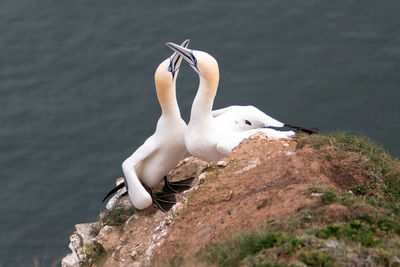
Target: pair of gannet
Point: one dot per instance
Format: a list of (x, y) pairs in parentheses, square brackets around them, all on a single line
[(210, 135)]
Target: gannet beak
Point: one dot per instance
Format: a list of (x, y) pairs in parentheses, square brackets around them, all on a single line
[(176, 60), (187, 54)]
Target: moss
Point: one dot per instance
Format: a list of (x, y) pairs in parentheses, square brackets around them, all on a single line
[(275, 264), (176, 261), (117, 216), (329, 197), (368, 231), (360, 190), (95, 254), (317, 258), (354, 231), (233, 251), (349, 152)]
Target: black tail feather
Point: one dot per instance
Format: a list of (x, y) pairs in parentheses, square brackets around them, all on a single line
[(304, 130), (114, 190)]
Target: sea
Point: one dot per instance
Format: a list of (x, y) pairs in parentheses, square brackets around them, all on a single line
[(77, 91)]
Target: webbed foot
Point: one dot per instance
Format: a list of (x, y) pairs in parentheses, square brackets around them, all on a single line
[(178, 186), (164, 201)]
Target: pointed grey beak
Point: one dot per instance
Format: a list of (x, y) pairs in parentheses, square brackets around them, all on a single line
[(176, 60), (187, 54)]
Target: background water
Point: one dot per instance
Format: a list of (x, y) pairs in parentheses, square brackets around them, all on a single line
[(77, 92)]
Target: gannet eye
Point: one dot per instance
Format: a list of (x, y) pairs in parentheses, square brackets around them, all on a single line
[(170, 68)]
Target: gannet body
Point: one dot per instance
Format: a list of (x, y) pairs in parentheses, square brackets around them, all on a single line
[(212, 135), (165, 148)]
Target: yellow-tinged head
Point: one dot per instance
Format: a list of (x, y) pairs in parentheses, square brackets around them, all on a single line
[(203, 63), (165, 78)]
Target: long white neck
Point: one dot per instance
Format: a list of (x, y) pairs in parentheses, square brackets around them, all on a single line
[(203, 102), (168, 102)]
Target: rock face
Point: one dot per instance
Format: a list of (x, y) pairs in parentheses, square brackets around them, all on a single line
[(82, 244), (300, 191), (262, 179), (124, 236)]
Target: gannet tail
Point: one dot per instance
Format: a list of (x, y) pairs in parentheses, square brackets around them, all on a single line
[(114, 190), (304, 130)]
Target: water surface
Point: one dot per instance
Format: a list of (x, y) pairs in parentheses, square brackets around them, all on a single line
[(77, 91)]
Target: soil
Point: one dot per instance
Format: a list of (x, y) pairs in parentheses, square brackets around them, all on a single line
[(262, 179)]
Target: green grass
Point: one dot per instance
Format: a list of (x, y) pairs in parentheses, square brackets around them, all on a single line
[(316, 258), (95, 254), (371, 238), (367, 233), (348, 152), (117, 216), (233, 251), (354, 231), (328, 197)]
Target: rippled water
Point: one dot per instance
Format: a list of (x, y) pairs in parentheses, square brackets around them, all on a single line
[(77, 94)]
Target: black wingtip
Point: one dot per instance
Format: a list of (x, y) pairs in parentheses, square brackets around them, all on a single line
[(304, 130), (114, 190)]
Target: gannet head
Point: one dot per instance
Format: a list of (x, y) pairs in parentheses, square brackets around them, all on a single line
[(167, 71), (165, 78), (203, 63)]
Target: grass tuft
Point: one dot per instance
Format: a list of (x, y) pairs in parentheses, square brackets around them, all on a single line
[(117, 216), (329, 197), (349, 152), (317, 258)]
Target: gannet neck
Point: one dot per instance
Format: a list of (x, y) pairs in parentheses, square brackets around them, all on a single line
[(165, 85), (167, 99), (203, 102)]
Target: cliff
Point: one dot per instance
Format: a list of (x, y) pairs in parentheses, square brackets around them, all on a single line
[(312, 200)]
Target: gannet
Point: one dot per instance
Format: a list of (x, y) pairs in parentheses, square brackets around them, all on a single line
[(161, 152), (212, 135)]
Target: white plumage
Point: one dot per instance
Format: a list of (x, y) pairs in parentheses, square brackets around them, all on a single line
[(213, 134)]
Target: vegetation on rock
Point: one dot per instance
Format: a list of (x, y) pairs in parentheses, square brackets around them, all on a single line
[(360, 226)]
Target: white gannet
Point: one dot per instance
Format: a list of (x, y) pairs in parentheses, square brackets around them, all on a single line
[(161, 152), (213, 134)]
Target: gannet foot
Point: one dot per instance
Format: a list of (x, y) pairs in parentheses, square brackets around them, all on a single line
[(164, 201), (178, 186)]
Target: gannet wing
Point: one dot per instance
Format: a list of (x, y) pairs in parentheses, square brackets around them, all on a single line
[(140, 198), (217, 112), (243, 118)]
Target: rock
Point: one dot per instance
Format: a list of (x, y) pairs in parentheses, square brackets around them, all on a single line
[(251, 165), (229, 211), (316, 195), (202, 177), (88, 231), (222, 163), (206, 230), (332, 243), (76, 245), (71, 260)]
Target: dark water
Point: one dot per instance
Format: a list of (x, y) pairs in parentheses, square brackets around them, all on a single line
[(77, 94)]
